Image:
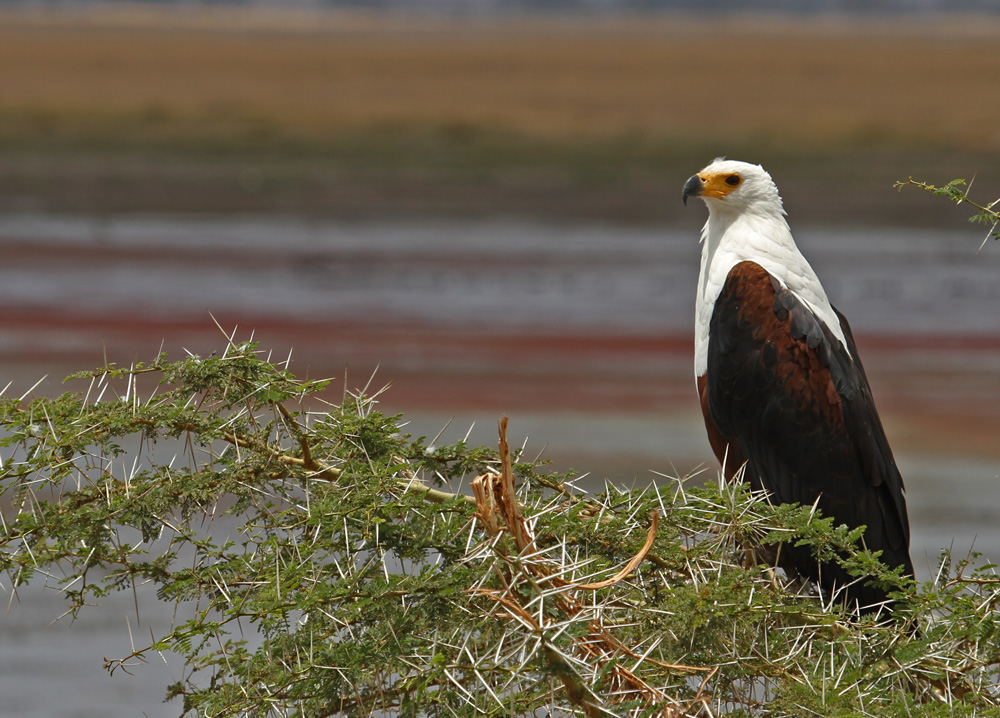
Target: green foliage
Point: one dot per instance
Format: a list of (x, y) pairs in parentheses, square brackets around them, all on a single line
[(321, 563), (956, 191)]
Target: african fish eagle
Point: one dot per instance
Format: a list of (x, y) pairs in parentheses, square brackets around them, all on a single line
[(783, 392)]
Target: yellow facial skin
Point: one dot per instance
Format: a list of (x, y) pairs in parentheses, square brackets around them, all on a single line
[(719, 185)]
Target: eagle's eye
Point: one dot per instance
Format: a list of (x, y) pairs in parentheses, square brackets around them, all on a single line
[(733, 180)]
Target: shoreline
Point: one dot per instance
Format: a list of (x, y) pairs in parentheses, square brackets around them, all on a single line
[(927, 406), (852, 188)]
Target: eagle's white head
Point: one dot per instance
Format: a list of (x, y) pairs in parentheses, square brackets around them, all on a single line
[(729, 187)]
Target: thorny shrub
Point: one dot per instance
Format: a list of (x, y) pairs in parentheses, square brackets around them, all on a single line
[(361, 577)]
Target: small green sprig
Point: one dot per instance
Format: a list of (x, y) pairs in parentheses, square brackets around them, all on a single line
[(958, 193)]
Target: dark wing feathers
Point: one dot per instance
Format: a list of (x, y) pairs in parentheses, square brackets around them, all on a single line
[(796, 403), (873, 447)]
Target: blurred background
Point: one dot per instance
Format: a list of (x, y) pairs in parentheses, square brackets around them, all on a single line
[(478, 204)]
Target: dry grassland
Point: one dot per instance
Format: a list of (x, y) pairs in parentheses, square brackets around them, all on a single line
[(164, 75), (139, 109)]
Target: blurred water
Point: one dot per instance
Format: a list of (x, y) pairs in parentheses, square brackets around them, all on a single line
[(73, 287), (510, 272)]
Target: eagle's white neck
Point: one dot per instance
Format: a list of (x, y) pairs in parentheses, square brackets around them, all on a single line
[(759, 234)]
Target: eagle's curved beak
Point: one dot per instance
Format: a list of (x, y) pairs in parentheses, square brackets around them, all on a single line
[(692, 188)]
